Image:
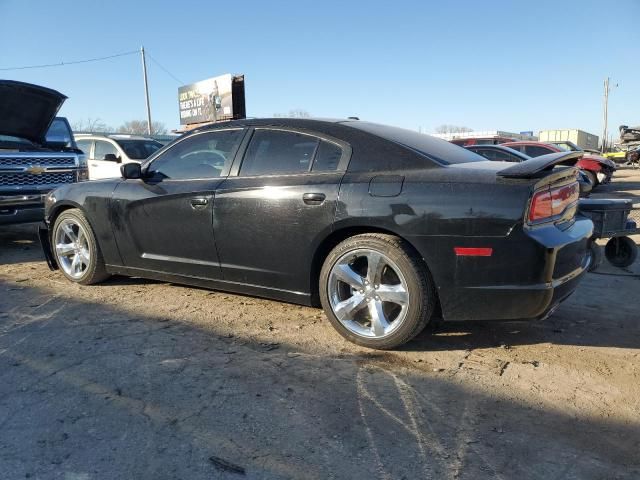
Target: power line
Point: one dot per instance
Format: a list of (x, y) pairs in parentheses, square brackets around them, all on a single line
[(62, 64), (166, 71)]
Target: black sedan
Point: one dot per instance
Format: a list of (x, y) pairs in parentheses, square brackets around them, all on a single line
[(498, 153), (384, 227)]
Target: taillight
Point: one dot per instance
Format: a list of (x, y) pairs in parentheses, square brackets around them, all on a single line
[(551, 202)]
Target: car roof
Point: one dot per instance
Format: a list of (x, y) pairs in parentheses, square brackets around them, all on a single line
[(529, 142), (500, 147), (115, 136)]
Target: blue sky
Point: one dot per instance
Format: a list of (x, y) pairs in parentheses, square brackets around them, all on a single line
[(507, 65)]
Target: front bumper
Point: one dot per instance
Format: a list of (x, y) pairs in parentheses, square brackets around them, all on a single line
[(45, 243), (21, 208)]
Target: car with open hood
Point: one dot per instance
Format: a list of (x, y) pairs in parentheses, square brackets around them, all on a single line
[(384, 227), (37, 150)]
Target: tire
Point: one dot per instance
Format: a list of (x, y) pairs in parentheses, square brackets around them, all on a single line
[(73, 240), (592, 178), (621, 251), (595, 251), (376, 276)]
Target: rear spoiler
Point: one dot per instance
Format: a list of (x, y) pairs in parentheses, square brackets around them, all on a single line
[(530, 168)]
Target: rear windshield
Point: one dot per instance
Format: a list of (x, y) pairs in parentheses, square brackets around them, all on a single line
[(139, 149), (441, 151)]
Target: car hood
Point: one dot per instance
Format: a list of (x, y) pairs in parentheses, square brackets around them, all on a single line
[(27, 110)]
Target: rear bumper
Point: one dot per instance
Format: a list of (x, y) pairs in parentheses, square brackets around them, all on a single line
[(529, 273)]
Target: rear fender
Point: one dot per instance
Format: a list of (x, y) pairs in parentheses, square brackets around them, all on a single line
[(588, 164)]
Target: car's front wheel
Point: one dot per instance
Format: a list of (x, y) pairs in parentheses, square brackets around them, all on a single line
[(76, 249), (376, 291)]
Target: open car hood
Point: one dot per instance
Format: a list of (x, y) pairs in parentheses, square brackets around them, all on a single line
[(531, 168), (27, 110)]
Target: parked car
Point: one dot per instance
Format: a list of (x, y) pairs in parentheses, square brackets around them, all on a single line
[(382, 226), (492, 140), (498, 153), (37, 150), (599, 169), (107, 152)]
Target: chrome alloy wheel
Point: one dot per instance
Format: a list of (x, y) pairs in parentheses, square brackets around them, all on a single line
[(72, 248), (368, 293)]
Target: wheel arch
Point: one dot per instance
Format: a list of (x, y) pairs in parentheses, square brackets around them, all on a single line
[(341, 234)]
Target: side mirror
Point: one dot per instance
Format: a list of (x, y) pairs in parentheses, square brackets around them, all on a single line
[(111, 157), (131, 170)]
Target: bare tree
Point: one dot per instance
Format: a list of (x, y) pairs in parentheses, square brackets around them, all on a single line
[(92, 125), (294, 113), (452, 129), (139, 127)]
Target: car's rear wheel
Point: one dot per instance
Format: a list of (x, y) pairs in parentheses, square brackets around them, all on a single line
[(592, 178), (376, 291), (76, 249)]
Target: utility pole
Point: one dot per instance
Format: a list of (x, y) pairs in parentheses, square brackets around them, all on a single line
[(605, 113), (146, 91), (607, 90)]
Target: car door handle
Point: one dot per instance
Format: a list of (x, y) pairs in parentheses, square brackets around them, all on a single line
[(313, 198), (199, 202)]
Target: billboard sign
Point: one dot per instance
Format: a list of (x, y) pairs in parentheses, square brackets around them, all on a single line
[(212, 100)]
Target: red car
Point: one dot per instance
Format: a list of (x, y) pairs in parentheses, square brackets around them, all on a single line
[(597, 168)]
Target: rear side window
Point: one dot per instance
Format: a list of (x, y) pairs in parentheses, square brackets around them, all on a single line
[(273, 152), (327, 157)]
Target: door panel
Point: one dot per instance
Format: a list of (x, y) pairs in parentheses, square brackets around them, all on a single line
[(164, 222), (265, 231), (167, 226)]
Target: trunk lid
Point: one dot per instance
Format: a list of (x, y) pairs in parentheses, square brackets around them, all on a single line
[(26, 110)]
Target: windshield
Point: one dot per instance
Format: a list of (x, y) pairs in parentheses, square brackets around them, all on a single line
[(567, 146), (441, 151), (139, 149)]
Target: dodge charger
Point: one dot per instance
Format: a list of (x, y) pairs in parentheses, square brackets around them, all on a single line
[(383, 227)]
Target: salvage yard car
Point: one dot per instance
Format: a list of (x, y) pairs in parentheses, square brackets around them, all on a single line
[(106, 153), (384, 227), (598, 169), (498, 153), (37, 150)]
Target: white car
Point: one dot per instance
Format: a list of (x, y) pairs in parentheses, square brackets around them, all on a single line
[(105, 153)]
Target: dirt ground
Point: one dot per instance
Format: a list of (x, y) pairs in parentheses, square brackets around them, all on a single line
[(135, 379)]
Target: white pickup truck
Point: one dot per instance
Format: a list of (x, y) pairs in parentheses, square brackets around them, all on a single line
[(37, 150)]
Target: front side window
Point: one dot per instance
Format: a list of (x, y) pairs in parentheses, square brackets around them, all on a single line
[(103, 148), (204, 155)]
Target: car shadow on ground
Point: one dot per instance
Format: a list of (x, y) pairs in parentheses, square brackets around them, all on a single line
[(90, 390), (600, 313)]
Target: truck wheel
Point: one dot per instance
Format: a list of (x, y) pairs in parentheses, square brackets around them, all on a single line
[(376, 291), (621, 251), (76, 249)]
